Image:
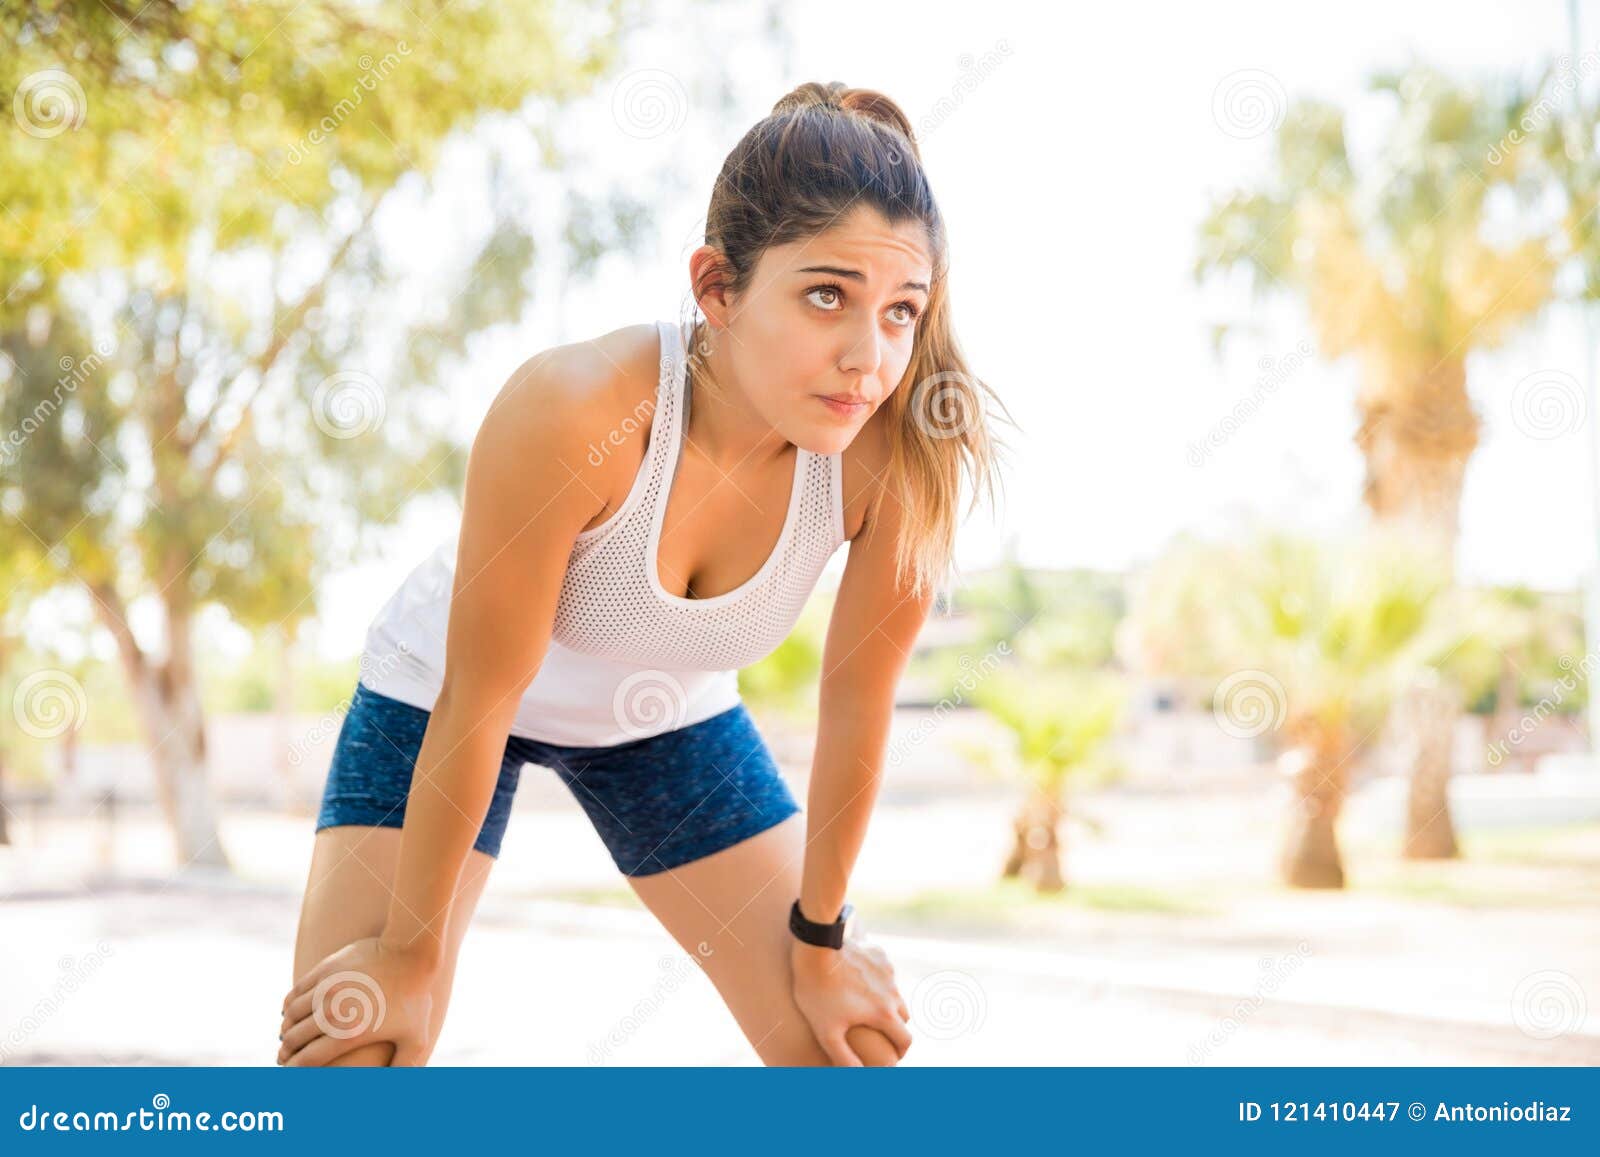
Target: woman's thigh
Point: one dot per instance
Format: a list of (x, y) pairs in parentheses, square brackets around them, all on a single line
[(347, 898), (357, 844), (730, 912)]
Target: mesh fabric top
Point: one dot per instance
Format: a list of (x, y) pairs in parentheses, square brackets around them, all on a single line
[(612, 603)]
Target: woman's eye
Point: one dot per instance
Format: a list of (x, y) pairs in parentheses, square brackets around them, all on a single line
[(908, 311)]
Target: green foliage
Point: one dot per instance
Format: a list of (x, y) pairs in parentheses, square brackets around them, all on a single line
[(1335, 628), (1059, 716), (1403, 256), (785, 682), (154, 124), (216, 370)]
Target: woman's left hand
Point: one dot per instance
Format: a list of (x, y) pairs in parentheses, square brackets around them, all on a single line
[(840, 988)]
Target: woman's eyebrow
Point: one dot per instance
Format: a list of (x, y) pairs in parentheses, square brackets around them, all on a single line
[(857, 275)]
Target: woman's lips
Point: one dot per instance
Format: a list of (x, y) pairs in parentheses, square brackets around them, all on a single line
[(843, 409)]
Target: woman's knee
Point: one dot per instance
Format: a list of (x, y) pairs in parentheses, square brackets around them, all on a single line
[(802, 1049)]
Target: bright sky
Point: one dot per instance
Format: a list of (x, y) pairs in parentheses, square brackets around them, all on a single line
[(1072, 178)]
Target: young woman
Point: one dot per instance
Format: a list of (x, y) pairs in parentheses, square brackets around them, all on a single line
[(644, 514)]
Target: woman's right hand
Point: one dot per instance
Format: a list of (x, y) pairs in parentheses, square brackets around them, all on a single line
[(367, 991), (841, 990)]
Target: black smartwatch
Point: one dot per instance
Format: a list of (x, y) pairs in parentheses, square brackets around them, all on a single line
[(819, 935)]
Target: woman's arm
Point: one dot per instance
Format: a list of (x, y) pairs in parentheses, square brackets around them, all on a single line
[(527, 496), (874, 623), (870, 635), (529, 491)]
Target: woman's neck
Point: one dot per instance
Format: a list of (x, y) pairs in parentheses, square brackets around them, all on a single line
[(723, 426)]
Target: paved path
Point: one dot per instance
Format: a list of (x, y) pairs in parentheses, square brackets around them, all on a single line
[(181, 970), (164, 975)]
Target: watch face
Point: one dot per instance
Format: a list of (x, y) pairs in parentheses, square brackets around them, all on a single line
[(852, 927)]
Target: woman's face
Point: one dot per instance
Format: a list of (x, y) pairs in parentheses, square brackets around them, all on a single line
[(832, 315)]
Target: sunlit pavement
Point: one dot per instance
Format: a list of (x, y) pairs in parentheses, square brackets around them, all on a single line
[(181, 970), (189, 981)]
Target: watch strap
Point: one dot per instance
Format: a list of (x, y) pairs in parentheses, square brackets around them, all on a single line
[(818, 935)]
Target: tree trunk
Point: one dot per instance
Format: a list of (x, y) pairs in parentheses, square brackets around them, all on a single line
[(1416, 435), (175, 728), (1318, 760), (1035, 854), (167, 700), (1424, 726)]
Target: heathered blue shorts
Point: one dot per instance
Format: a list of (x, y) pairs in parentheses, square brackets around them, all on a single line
[(656, 802)]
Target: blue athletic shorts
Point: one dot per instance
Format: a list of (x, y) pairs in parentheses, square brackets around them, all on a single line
[(656, 802)]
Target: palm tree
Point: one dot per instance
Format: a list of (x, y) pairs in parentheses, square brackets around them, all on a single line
[(1313, 640), (1411, 260), (1059, 714)]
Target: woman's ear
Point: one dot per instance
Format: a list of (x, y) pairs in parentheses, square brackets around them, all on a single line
[(707, 276)]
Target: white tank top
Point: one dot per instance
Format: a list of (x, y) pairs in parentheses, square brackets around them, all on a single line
[(626, 658)]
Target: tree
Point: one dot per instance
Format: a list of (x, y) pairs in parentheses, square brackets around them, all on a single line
[(1313, 641), (1060, 709), (18, 565), (215, 390), (1411, 261)]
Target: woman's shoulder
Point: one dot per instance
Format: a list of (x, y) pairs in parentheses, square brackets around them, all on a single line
[(582, 409), (583, 385)]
